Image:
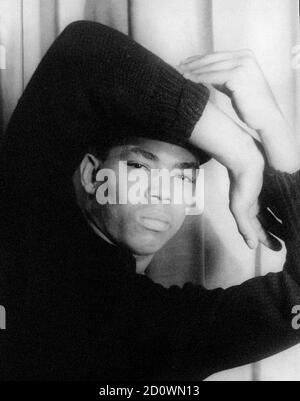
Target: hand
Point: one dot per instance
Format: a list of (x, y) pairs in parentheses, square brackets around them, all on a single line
[(255, 224), (238, 75), (223, 139)]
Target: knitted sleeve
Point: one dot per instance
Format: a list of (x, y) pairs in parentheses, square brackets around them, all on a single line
[(250, 322), (95, 83), (117, 70), (281, 193)]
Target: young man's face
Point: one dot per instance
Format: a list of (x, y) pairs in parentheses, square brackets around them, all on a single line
[(146, 227)]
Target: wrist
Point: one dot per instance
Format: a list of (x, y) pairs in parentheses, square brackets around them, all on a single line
[(280, 144), (224, 140), (274, 124), (247, 156)]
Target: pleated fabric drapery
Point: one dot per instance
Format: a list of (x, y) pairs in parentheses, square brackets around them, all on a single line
[(208, 250)]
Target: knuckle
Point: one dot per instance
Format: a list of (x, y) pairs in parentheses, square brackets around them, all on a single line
[(248, 58), (248, 53)]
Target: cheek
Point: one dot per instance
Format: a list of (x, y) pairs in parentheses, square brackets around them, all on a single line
[(134, 189), (122, 189), (178, 213), (120, 220), (183, 193)]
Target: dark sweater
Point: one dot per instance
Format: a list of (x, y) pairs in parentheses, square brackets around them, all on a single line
[(76, 309)]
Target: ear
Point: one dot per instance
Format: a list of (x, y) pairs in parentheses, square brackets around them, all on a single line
[(88, 168)]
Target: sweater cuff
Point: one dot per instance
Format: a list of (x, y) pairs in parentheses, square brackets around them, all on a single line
[(183, 103), (193, 101), (282, 194)]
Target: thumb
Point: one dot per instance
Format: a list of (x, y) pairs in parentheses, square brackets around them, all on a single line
[(241, 215)]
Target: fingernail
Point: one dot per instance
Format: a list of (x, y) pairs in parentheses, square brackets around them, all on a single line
[(251, 244)]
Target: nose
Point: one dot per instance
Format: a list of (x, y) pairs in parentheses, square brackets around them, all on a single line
[(154, 199), (159, 190)]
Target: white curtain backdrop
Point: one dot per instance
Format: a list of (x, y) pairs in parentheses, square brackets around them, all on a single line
[(208, 249)]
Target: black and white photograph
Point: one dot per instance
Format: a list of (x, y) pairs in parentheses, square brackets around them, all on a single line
[(149, 193)]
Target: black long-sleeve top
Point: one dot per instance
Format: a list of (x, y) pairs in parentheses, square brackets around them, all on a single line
[(76, 309)]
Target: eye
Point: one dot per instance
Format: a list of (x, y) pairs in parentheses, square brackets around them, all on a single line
[(185, 178), (137, 166), (188, 180)]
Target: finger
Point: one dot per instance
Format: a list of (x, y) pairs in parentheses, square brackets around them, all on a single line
[(201, 68), (210, 78), (265, 238), (245, 226), (191, 59), (208, 59)]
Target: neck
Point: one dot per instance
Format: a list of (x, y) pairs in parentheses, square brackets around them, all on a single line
[(142, 263), (98, 231)]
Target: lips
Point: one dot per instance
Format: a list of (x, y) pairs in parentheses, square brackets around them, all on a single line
[(155, 223)]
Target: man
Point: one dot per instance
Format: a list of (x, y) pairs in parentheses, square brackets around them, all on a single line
[(150, 216), (73, 279)]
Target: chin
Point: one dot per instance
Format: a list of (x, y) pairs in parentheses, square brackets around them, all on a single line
[(146, 246)]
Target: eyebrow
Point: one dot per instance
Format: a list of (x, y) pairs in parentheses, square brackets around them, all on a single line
[(140, 152), (187, 166)]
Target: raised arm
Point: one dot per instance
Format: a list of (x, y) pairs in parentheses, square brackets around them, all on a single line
[(93, 84), (128, 82)]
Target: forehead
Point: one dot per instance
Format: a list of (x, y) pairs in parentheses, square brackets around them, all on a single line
[(165, 152)]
